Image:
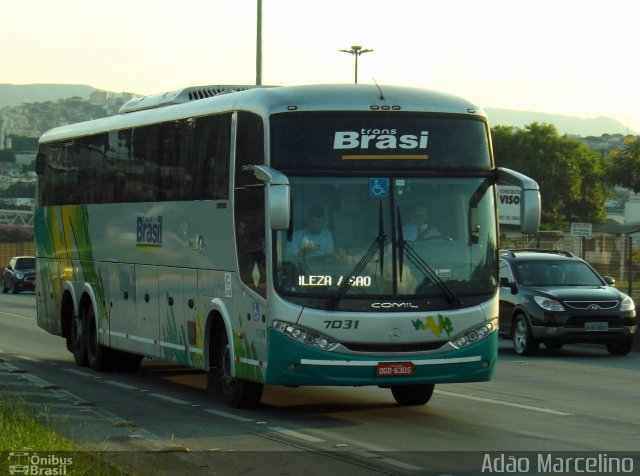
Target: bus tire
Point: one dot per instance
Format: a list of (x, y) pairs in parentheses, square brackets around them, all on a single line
[(77, 342), (126, 362), (100, 358), (412, 394), (236, 392)]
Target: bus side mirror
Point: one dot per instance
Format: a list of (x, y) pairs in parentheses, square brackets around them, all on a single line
[(40, 163), (278, 201), (278, 196), (530, 208)]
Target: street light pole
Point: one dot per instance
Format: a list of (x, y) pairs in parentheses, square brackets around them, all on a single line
[(259, 45), (356, 51)]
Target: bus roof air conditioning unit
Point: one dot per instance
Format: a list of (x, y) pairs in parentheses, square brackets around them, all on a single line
[(180, 96)]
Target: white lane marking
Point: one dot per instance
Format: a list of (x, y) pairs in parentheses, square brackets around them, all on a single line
[(80, 372), (121, 385), (16, 315), (169, 399), (228, 415), (297, 434), (389, 461), (30, 359), (505, 403)]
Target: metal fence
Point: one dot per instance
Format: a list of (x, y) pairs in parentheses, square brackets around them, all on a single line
[(611, 255)]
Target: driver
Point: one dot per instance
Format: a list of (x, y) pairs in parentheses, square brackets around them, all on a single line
[(313, 240), (418, 227)]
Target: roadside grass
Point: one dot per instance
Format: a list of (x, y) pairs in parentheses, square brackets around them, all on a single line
[(28, 431)]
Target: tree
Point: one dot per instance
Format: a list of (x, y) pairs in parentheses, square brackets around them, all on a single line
[(19, 190), (572, 178), (624, 165)]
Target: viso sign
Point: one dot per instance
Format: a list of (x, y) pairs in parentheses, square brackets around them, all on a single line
[(581, 229), (508, 204)]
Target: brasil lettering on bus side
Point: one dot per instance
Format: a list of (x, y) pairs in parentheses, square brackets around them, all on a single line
[(149, 233)]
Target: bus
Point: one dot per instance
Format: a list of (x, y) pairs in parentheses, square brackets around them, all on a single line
[(261, 234)]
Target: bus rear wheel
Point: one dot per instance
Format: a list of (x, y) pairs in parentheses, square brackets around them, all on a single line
[(236, 392), (77, 342), (99, 357), (406, 395)]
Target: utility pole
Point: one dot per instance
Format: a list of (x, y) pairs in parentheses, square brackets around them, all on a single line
[(356, 51), (259, 45)]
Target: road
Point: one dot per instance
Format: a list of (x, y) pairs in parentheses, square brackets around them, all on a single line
[(562, 403)]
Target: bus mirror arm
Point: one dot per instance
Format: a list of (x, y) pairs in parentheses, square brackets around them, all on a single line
[(530, 208), (278, 196)]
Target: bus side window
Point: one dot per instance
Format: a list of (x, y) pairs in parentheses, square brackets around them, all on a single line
[(210, 164), (250, 203)]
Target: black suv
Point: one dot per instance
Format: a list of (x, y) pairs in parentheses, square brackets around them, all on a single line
[(19, 275), (555, 298)]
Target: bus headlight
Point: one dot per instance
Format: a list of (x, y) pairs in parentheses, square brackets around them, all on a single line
[(476, 334), (304, 335)]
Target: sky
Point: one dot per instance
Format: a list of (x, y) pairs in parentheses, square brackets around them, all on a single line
[(577, 58)]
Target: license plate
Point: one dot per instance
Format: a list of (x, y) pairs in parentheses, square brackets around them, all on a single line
[(394, 369), (596, 326)]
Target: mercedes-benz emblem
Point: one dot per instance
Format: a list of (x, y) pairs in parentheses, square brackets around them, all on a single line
[(394, 334)]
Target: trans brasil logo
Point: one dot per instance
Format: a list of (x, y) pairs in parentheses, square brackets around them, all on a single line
[(381, 139), (149, 233)]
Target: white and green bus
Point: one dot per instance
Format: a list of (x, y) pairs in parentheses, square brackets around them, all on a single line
[(261, 234)]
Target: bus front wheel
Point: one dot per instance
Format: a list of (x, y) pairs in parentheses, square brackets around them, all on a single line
[(412, 394), (236, 392)]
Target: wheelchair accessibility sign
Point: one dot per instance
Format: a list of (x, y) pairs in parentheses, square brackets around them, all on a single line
[(379, 187)]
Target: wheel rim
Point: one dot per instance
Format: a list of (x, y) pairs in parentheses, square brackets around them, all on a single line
[(92, 336), (226, 365), (76, 333), (520, 335)]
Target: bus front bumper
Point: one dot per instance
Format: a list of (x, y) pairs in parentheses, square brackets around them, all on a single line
[(294, 364)]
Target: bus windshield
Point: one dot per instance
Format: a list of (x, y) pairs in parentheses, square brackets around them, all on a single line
[(365, 237)]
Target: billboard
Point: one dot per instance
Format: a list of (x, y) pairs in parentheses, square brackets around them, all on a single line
[(509, 205)]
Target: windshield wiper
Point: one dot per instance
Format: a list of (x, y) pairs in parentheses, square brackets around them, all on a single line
[(422, 265), (378, 245)]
